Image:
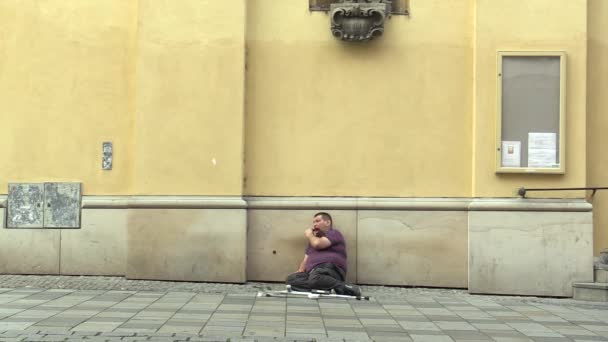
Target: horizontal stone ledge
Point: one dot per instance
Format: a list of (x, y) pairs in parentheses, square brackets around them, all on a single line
[(515, 204), (285, 203), (164, 202), (343, 203), (333, 203), (431, 204), (357, 203)]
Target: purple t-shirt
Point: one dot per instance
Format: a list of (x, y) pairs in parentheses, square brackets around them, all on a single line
[(335, 253)]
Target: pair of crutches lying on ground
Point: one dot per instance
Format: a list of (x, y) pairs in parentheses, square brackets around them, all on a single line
[(313, 294)]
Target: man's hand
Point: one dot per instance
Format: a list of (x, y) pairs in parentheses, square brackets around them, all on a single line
[(308, 233), (302, 267), (317, 238), (314, 232)]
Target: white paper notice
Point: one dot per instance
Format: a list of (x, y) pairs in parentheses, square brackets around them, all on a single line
[(542, 150), (511, 153)]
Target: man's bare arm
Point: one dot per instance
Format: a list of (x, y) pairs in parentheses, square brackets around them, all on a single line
[(302, 267)]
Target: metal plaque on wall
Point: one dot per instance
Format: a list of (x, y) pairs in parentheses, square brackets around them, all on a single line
[(108, 151), (24, 205), (61, 205)]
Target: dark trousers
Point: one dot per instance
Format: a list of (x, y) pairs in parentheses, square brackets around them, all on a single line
[(322, 277)]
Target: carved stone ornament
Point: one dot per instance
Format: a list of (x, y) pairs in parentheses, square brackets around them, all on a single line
[(359, 20)]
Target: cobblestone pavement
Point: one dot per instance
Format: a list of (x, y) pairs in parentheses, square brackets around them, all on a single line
[(61, 308)]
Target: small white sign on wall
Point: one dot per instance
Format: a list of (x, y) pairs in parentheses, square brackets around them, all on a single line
[(511, 153), (542, 150)]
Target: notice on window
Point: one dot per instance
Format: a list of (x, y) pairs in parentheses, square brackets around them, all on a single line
[(542, 150), (511, 153)]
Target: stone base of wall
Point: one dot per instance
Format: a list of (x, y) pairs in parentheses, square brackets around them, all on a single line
[(540, 253), (500, 246), (147, 239)]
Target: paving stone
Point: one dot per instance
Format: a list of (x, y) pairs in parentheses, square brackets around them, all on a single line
[(303, 331), (223, 334), (271, 325), (304, 337), (118, 334), (83, 333), (588, 338), (454, 318), (53, 330), (180, 330), (408, 325), (209, 339), (529, 327), (404, 338), (504, 333), (417, 318), (386, 333), (185, 323), (467, 335), (384, 329), (218, 323), (596, 327), (542, 334), (99, 327), (135, 330), (567, 331), (274, 318), (264, 333), (347, 334), (30, 337), (431, 338), (443, 325)]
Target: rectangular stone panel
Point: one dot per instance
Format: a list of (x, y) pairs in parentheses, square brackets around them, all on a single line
[(25, 205), (276, 241), (29, 251), (99, 247), (529, 253), (61, 205), (421, 248), (187, 244)]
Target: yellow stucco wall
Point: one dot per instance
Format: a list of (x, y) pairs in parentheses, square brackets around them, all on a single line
[(164, 81), (530, 25), (597, 119), (411, 114), (66, 67), (190, 97), (388, 118)]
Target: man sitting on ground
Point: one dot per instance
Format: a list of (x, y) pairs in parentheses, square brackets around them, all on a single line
[(324, 263)]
